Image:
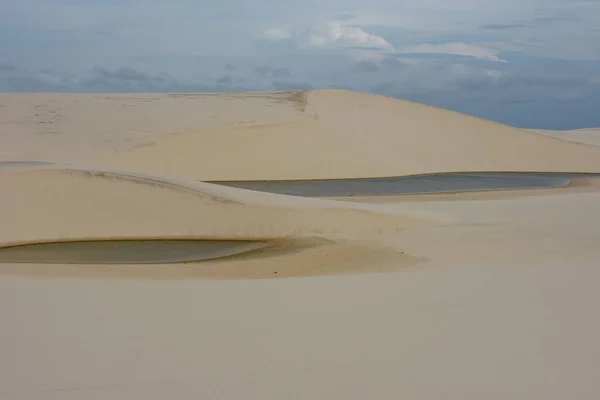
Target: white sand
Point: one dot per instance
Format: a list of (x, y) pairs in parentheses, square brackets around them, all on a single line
[(468, 296), (55, 204), (505, 308), (58, 203), (586, 136), (297, 135)]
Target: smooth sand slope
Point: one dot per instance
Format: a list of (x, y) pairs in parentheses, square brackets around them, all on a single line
[(287, 135), (502, 305), (58, 203), (589, 136), (453, 296)]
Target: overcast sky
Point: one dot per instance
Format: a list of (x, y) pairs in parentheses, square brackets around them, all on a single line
[(529, 63)]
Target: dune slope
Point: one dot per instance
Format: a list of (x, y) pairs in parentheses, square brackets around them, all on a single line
[(589, 136), (322, 134), (57, 203)]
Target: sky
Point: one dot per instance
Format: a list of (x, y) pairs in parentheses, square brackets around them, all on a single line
[(527, 63)]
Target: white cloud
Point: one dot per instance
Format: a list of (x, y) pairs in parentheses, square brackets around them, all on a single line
[(336, 33), (368, 56), (461, 49), (277, 34), (495, 74), (332, 33)]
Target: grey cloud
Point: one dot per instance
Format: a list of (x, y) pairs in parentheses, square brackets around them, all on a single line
[(230, 67), (515, 107), (365, 67), (36, 82), (408, 91), (7, 67), (476, 83), (539, 80), (364, 48), (340, 87), (386, 64), (267, 71), (224, 79), (284, 85), (389, 88), (392, 63), (121, 74), (177, 86), (344, 17), (22, 84), (121, 80), (503, 26), (16, 79), (556, 18), (127, 79)]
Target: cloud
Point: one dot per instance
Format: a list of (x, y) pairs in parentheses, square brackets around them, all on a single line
[(366, 55), (392, 63), (266, 70), (127, 79), (503, 26), (7, 67), (495, 74), (277, 34), (366, 66), (225, 80), (541, 80), (287, 85), (448, 54), (380, 64), (121, 74), (460, 49), (335, 33), (16, 79), (332, 33)]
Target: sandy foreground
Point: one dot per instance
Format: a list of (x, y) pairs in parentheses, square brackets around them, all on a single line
[(456, 295)]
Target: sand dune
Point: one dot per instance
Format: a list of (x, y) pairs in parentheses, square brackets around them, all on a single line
[(589, 136), (288, 135), (493, 304), (457, 295), (56, 203)]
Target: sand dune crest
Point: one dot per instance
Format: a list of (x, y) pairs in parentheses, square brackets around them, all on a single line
[(355, 135), (59, 203), (319, 134)]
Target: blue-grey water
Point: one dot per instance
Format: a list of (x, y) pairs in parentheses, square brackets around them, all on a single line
[(413, 184), (416, 184), (22, 164), (126, 251), (172, 251)]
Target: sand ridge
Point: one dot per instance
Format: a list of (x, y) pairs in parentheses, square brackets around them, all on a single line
[(323, 134), (590, 136), (353, 135), (203, 209), (57, 203)]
